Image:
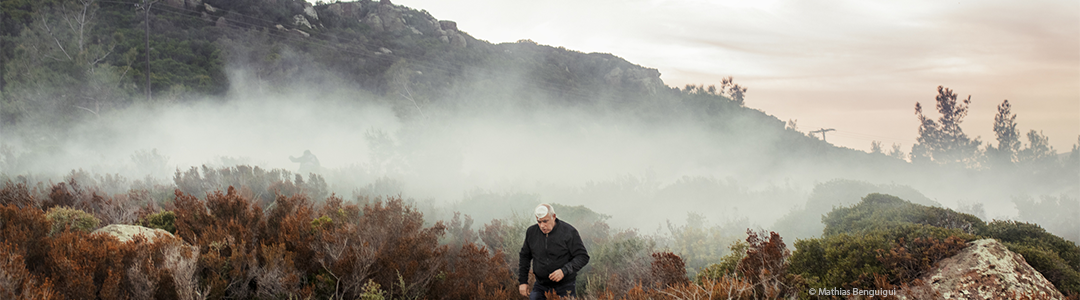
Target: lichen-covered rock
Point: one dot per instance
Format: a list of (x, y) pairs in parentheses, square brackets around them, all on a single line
[(190, 4), (986, 269), (349, 10), (310, 11), (126, 233), (299, 20)]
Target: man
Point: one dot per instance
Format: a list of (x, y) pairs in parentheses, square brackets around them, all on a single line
[(308, 163), (556, 252)]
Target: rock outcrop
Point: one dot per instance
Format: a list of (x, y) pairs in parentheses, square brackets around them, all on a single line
[(125, 233), (986, 269), (385, 17), (300, 20), (310, 11), (188, 4)]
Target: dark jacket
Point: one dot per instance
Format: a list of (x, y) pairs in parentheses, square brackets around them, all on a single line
[(559, 249)]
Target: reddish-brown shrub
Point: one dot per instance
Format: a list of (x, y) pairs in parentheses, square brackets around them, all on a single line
[(117, 209), (16, 281), (765, 266), (85, 266), (906, 265), (64, 194), (192, 218), (406, 251), (224, 228), (288, 223), (26, 229), (17, 194), (722, 288), (387, 244), (474, 274), (275, 274), (639, 292), (668, 269)]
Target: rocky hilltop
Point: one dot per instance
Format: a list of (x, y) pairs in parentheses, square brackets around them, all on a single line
[(435, 54), (986, 269)]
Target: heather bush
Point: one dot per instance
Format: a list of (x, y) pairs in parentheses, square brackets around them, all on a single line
[(765, 267), (668, 270), (16, 282), (85, 266), (255, 183), (18, 194), (473, 274), (66, 218)]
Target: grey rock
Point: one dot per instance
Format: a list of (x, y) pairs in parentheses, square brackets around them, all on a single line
[(191, 4), (448, 25), (458, 40), (986, 269), (126, 233), (374, 22), (310, 11), (301, 20), (349, 10)]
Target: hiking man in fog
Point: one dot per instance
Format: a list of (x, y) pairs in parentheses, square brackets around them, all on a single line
[(556, 252), (308, 163)]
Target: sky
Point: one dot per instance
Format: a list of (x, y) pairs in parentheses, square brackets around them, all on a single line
[(857, 67)]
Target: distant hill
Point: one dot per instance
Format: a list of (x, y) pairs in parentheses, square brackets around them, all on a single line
[(427, 70)]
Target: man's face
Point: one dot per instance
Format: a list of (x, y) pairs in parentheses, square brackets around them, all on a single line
[(546, 223)]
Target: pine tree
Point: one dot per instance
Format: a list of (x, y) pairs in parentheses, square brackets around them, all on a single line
[(943, 141), (1008, 136)]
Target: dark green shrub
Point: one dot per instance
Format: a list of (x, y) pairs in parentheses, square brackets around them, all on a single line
[(838, 260), (876, 237), (65, 217), (880, 211), (165, 220), (727, 264), (1056, 258)]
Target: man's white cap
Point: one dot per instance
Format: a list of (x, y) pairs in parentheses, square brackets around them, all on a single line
[(541, 211)]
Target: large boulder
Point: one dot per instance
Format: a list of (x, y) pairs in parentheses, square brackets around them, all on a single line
[(188, 4), (179, 261), (386, 16), (986, 269), (126, 233), (349, 10)]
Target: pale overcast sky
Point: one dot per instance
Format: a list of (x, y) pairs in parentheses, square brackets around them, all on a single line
[(857, 66)]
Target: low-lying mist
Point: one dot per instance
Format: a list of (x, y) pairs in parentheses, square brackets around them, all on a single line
[(496, 161)]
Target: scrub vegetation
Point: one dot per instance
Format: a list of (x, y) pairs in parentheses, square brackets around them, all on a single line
[(295, 247), (431, 151)]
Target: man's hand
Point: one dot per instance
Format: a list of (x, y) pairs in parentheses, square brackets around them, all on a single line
[(524, 290), (556, 276)]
